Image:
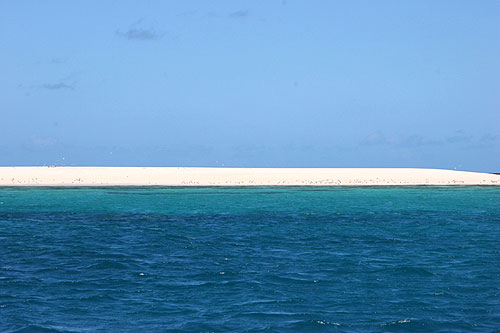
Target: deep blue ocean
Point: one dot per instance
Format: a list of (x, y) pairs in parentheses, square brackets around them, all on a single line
[(274, 259)]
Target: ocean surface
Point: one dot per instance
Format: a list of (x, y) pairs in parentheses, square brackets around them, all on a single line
[(274, 259)]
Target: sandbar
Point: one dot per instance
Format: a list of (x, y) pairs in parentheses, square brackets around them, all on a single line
[(201, 176)]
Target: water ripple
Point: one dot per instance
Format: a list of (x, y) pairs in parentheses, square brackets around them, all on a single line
[(308, 260)]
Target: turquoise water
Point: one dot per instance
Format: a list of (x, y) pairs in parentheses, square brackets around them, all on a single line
[(257, 259)]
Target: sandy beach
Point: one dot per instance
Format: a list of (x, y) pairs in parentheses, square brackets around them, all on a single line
[(188, 176)]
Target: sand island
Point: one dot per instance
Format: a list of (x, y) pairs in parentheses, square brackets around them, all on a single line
[(200, 176)]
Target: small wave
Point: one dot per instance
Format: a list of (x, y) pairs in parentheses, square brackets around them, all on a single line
[(396, 322), (405, 270), (97, 298), (41, 329), (107, 264), (315, 325)]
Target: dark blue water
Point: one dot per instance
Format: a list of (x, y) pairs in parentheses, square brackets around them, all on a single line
[(250, 259)]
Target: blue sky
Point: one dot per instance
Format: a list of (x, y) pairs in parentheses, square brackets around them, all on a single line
[(251, 83)]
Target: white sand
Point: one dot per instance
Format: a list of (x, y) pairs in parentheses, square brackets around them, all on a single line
[(145, 176)]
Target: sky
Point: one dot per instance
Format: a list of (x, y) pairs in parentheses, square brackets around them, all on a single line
[(267, 83)]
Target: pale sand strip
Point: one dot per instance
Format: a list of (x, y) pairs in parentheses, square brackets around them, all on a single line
[(173, 176)]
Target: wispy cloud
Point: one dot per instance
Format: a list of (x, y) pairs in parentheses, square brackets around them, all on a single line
[(488, 138), (375, 139), (139, 34), (486, 141), (242, 13), (36, 142), (135, 32), (459, 137), (402, 141), (66, 83), (188, 13), (58, 86), (57, 61)]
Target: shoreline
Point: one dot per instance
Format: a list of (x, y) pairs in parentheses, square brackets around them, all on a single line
[(200, 176)]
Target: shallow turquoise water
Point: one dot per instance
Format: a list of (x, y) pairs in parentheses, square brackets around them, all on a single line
[(257, 259)]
